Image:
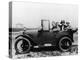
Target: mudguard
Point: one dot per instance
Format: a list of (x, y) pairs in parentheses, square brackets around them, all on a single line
[(27, 37)]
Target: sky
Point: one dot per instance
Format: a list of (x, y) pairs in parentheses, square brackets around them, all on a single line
[(30, 14)]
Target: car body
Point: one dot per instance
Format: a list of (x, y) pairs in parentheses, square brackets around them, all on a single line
[(43, 37)]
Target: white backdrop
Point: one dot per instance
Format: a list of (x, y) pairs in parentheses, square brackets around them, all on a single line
[(30, 14), (4, 22)]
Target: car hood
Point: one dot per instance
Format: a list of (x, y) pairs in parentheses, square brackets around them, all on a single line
[(32, 32)]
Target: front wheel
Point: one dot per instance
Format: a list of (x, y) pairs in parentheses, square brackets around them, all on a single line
[(22, 45), (65, 43)]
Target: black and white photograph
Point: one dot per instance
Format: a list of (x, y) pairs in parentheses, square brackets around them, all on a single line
[(42, 29)]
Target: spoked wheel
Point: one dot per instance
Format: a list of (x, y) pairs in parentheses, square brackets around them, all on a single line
[(22, 45), (65, 44)]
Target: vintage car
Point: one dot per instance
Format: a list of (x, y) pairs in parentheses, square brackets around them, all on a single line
[(36, 38)]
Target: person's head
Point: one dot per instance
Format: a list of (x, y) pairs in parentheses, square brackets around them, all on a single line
[(67, 23), (62, 22)]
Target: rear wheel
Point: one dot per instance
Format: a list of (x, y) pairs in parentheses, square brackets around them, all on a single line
[(65, 44), (22, 45)]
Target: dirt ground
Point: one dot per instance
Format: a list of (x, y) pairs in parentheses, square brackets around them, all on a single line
[(50, 52), (74, 51)]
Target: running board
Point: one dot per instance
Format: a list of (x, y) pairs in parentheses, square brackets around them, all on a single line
[(45, 45)]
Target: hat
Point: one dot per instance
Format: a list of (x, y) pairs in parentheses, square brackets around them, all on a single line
[(67, 22), (62, 21)]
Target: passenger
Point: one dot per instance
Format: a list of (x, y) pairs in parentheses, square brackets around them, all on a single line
[(62, 26), (55, 26), (73, 30), (68, 25)]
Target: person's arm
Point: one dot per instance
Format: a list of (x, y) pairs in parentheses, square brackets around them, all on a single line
[(56, 29), (74, 30), (68, 27)]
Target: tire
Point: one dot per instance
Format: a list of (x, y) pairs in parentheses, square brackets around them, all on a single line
[(65, 44), (22, 45)]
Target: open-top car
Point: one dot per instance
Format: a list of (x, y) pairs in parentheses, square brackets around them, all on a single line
[(44, 37)]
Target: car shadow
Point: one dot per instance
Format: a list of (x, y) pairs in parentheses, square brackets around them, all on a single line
[(51, 48)]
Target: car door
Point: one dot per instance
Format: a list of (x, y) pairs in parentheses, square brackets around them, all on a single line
[(46, 37)]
